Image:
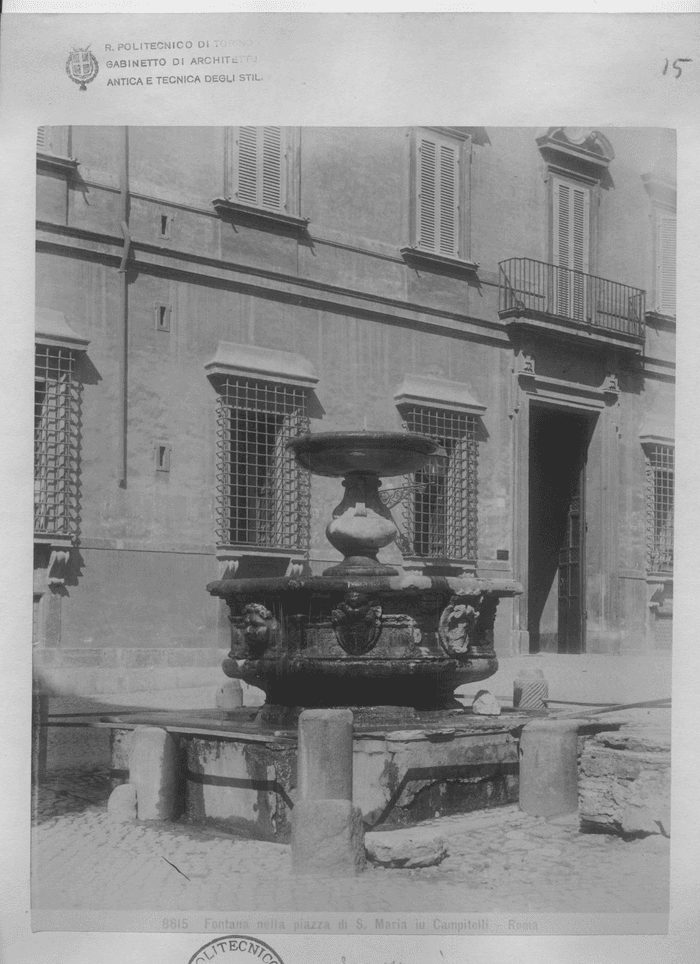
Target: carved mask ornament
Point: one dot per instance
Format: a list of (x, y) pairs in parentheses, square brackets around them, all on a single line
[(457, 625), (259, 626)]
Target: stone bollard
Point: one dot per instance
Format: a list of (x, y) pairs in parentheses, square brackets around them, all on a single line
[(327, 830), (154, 770), (325, 755), (549, 768), (229, 695), (121, 806), (530, 689)]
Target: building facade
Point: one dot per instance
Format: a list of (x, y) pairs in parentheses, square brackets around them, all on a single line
[(206, 294)]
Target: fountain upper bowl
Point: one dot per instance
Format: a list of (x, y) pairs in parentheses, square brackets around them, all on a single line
[(384, 454)]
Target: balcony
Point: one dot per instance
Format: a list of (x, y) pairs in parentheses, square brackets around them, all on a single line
[(570, 304)]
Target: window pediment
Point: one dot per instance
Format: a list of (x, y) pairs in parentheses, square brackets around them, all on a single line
[(571, 145), (426, 390), (51, 328), (252, 361)]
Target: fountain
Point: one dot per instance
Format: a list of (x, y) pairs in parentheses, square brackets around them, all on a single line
[(391, 645), (362, 634)]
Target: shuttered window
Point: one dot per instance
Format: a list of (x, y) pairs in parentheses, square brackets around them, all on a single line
[(666, 264), (41, 139), (259, 167), (571, 246), (438, 200)]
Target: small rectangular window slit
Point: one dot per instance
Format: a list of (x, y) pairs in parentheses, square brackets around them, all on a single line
[(162, 450), (166, 223), (162, 317)]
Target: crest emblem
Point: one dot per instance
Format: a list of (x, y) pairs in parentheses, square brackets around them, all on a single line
[(358, 623), (82, 66)]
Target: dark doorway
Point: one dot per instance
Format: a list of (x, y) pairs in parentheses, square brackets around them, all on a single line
[(557, 526)]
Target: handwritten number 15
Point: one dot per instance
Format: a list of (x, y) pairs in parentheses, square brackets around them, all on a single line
[(679, 70)]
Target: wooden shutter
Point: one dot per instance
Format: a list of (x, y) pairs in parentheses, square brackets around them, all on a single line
[(41, 139), (666, 264), (571, 222), (259, 173), (571, 246), (438, 195)]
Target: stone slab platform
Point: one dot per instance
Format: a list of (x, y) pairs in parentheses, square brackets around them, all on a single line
[(243, 776)]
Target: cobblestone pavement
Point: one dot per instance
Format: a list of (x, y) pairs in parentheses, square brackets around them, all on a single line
[(499, 860)]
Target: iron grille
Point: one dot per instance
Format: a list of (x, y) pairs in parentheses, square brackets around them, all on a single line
[(263, 494), (56, 441), (660, 476), (549, 291), (438, 515)]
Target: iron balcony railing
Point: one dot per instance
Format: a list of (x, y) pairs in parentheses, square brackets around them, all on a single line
[(550, 292)]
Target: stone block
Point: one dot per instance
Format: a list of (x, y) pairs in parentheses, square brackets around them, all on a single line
[(327, 838), (229, 695), (417, 847), (154, 770), (486, 704), (325, 755), (626, 791), (549, 768), (530, 689), (121, 805)]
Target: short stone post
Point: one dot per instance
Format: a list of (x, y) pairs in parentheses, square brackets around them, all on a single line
[(549, 768), (327, 830), (325, 755), (229, 695), (154, 770)]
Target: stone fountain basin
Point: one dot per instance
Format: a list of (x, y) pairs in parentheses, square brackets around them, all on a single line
[(385, 454), (240, 775), (407, 640)]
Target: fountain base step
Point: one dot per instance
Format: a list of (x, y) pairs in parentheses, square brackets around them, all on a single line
[(240, 775)]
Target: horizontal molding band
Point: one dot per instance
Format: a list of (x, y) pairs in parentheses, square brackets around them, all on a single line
[(136, 545), (263, 282), (158, 259)]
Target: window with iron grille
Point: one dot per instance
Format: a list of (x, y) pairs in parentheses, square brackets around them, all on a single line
[(56, 438), (440, 506), (660, 486), (263, 494)]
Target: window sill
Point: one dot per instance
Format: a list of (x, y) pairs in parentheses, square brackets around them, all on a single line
[(438, 562), (659, 319), (417, 257), (224, 552), (247, 213), (55, 163), (56, 542), (230, 559)]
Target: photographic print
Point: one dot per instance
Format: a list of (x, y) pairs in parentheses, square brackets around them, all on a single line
[(449, 687)]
